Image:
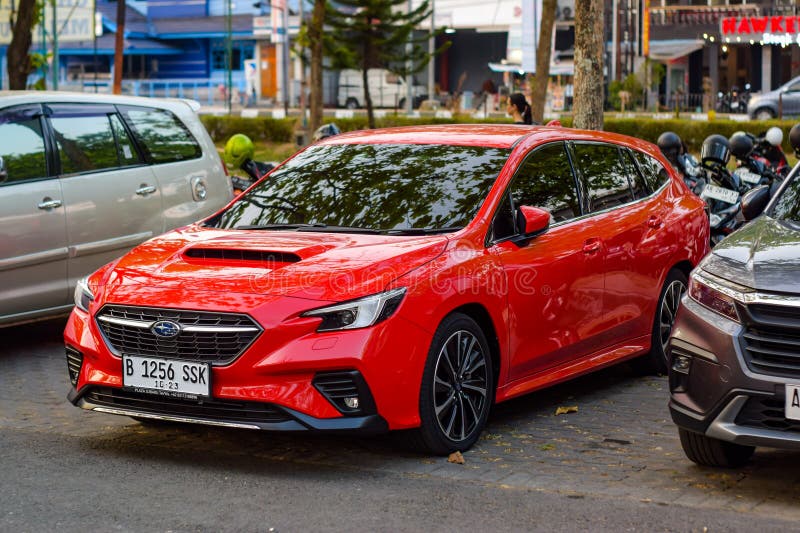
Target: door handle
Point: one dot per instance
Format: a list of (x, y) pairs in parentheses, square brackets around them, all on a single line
[(654, 222), (145, 189), (48, 203), (592, 246)]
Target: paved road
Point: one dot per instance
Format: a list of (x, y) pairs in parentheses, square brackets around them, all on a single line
[(614, 465)]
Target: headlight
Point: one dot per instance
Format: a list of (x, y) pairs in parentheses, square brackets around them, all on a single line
[(716, 294), (83, 295), (359, 313)]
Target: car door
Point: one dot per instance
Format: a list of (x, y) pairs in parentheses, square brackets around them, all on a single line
[(618, 204), (33, 237), (182, 167), (554, 281), (111, 196), (790, 99)]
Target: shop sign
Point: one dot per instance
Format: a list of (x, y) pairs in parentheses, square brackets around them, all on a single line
[(779, 29)]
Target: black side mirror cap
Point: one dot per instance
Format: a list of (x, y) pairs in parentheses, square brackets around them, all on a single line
[(754, 202)]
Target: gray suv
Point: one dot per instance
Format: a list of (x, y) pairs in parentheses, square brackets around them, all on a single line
[(734, 353), (85, 178)]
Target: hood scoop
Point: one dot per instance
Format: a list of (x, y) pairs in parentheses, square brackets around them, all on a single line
[(266, 258)]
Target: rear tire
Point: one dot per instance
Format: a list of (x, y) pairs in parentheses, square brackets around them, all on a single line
[(707, 451), (457, 389), (351, 103), (656, 361), (763, 114)]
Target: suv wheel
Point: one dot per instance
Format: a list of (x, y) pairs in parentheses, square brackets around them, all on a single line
[(707, 451), (457, 388), (656, 362), (351, 103), (763, 113)]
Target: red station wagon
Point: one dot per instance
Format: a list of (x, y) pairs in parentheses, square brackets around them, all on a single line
[(396, 279)]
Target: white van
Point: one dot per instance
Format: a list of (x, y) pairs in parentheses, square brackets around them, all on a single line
[(385, 88)]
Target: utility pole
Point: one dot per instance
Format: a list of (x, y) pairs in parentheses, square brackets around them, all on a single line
[(304, 122), (409, 66), (431, 50), (55, 45), (228, 55), (285, 20)]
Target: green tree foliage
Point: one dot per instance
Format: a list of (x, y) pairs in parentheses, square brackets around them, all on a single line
[(368, 34), (632, 86)]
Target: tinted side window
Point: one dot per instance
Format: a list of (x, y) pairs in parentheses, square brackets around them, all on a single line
[(544, 180), (638, 184), (163, 137), (85, 143), (126, 152), (655, 174), (22, 148), (603, 175)]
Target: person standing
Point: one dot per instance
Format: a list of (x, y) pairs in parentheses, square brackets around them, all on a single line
[(519, 109)]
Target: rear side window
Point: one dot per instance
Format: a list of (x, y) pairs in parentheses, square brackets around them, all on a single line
[(654, 172), (163, 137), (544, 180), (22, 148), (85, 143), (604, 177), (638, 183)]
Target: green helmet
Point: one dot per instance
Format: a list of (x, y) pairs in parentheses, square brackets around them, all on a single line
[(238, 149)]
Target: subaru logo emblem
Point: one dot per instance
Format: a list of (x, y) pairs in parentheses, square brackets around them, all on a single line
[(166, 329)]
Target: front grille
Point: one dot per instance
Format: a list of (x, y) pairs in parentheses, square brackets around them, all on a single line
[(208, 409), (766, 413), (74, 364), (771, 340), (216, 338)]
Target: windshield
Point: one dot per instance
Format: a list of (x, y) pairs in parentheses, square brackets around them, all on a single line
[(787, 205), (373, 187)]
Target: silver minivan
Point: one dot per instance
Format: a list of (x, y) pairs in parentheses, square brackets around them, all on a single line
[(86, 177)]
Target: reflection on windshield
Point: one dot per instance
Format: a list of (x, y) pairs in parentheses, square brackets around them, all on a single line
[(787, 207), (376, 186)]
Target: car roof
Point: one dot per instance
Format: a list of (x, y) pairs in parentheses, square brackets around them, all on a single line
[(9, 98), (488, 135)]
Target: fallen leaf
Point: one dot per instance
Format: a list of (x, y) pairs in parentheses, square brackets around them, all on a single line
[(565, 410), (456, 458)]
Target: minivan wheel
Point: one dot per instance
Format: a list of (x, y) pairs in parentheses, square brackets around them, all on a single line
[(457, 388), (351, 103), (656, 361), (764, 114), (707, 451)]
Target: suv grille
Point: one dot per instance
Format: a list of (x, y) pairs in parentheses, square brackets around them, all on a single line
[(771, 340), (209, 409), (216, 338), (766, 413)]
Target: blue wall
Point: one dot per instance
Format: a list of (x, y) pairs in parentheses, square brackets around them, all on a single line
[(176, 8), (193, 63)]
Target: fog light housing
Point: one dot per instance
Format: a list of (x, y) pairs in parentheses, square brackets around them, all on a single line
[(681, 364), (351, 402)]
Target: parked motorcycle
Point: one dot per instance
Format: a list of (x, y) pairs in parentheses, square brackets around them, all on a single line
[(753, 169), (674, 149), (238, 155), (767, 147), (720, 189)]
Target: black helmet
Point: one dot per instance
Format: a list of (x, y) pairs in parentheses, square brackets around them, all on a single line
[(715, 149), (327, 130), (741, 145), (670, 144), (794, 137)]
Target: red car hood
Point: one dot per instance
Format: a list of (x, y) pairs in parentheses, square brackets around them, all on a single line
[(310, 265)]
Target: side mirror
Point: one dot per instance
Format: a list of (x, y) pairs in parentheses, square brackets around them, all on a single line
[(530, 222), (3, 170), (754, 202)]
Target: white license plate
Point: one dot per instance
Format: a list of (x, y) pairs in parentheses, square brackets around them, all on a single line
[(720, 193), (793, 402), (747, 176), (166, 376)]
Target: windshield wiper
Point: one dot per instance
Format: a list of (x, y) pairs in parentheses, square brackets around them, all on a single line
[(317, 226), (279, 226), (421, 231)]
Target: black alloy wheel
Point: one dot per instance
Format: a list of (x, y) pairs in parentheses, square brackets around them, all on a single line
[(657, 360)]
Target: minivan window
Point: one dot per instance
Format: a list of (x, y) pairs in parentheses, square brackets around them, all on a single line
[(85, 143), (22, 148), (126, 152), (544, 180), (162, 135), (653, 171), (604, 178)]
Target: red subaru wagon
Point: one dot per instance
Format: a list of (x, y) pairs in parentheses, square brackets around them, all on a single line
[(396, 279)]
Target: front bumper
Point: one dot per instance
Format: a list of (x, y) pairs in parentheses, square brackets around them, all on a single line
[(719, 396)]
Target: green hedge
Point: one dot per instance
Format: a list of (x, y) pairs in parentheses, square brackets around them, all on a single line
[(693, 132)]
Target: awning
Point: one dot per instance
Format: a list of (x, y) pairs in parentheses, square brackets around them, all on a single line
[(670, 49), (556, 69)]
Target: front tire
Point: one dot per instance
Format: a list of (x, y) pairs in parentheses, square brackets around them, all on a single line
[(763, 114), (351, 103), (707, 451), (457, 388), (656, 361)]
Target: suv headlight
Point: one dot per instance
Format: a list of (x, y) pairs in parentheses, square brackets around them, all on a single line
[(360, 313), (83, 295), (716, 294)]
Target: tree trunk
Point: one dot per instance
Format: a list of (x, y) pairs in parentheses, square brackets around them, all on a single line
[(589, 93), (119, 42), (543, 51), (315, 40), (17, 55)]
